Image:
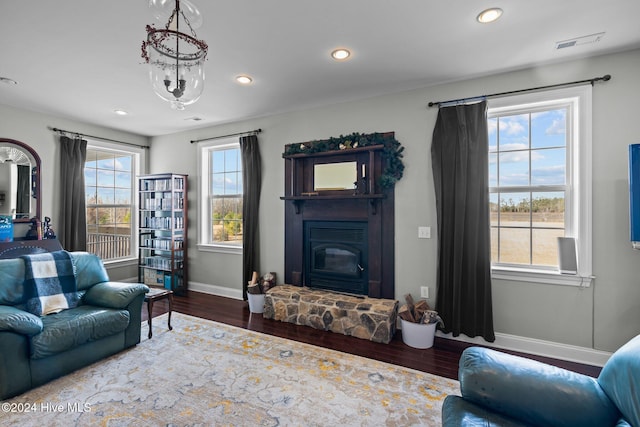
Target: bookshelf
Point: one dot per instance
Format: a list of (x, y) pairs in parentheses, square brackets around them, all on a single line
[(162, 236)]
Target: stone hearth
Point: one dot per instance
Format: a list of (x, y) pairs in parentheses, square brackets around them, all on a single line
[(373, 319)]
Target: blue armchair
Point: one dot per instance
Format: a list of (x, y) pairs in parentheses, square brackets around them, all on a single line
[(499, 389)]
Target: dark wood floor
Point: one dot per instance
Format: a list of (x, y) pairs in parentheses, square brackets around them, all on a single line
[(441, 359)]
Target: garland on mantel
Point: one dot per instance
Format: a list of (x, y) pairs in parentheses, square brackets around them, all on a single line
[(391, 153)]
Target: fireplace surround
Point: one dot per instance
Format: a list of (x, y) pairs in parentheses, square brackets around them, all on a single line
[(340, 239)]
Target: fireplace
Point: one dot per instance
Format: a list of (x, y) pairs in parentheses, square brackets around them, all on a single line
[(336, 256), (340, 239)]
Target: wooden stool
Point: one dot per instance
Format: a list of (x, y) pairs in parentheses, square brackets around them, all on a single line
[(156, 294)]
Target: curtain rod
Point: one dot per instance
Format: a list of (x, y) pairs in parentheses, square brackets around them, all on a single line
[(249, 132), (98, 137), (604, 78)]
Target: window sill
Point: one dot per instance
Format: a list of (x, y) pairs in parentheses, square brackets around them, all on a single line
[(223, 249), (121, 262), (537, 276)]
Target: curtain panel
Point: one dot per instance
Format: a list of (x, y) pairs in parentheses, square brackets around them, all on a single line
[(251, 186), (459, 155), (72, 225), (24, 191)]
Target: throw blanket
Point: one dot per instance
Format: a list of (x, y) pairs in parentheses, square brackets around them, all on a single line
[(50, 283)]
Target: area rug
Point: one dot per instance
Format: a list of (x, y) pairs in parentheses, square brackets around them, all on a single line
[(205, 373)]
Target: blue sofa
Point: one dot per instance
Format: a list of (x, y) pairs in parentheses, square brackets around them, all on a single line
[(36, 349), (504, 390)]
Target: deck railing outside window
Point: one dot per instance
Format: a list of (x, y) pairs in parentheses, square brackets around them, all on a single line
[(109, 246)]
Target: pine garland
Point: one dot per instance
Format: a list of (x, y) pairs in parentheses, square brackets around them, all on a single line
[(391, 153)]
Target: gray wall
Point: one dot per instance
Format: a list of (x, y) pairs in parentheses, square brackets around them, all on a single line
[(602, 317), (32, 129)]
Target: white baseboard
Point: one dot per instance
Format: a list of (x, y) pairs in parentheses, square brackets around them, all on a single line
[(538, 347), (205, 288), (220, 291)]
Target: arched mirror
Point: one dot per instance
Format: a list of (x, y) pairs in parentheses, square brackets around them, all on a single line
[(19, 180)]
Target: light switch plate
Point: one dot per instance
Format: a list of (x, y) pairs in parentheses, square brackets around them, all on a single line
[(424, 232)]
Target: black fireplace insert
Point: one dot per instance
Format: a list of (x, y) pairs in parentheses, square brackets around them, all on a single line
[(336, 256)]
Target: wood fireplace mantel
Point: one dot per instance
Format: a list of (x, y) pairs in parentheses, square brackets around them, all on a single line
[(367, 202)]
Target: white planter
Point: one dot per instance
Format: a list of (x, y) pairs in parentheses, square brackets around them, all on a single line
[(418, 335), (256, 303)]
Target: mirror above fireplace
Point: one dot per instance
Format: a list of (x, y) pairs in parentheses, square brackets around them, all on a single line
[(335, 176)]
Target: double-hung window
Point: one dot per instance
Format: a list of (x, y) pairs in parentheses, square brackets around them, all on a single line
[(540, 183), (110, 184), (221, 196)]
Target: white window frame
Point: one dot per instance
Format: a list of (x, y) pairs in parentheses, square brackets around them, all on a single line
[(139, 166), (578, 199), (204, 172)]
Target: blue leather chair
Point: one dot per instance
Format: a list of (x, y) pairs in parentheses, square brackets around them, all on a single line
[(36, 349), (499, 389)]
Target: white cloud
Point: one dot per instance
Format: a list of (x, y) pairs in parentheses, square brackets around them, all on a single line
[(557, 128), (514, 146), (511, 127)]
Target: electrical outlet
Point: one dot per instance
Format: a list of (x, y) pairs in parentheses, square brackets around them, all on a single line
[(424, 292), (424, 232)]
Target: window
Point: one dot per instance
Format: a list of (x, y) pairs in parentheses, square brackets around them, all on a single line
[(540, 181), (221, 196), (110, 199)]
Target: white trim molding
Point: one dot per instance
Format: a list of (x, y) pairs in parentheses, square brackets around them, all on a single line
[(538, 347), (220, 291)]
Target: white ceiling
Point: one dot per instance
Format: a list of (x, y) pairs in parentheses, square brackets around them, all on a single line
[(80, 59)]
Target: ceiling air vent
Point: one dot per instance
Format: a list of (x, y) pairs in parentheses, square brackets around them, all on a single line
[(579, 40)]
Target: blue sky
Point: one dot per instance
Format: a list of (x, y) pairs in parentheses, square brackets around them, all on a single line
[(518, 141), (227, 176), (108, 172)]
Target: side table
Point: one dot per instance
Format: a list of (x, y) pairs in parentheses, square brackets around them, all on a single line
[(156, 294)]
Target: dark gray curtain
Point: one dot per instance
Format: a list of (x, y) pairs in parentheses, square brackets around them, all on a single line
[(72, 224), (459, 153), (23, 207), (251, 185)]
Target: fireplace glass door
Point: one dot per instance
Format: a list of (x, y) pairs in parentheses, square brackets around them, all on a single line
[(335, 256)]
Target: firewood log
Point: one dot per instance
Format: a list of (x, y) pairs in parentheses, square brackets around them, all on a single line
[(409, 300), (406, 314), (420, 308), (254, 289), (254, 278)]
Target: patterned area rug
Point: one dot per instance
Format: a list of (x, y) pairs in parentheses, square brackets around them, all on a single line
[(207, 373)]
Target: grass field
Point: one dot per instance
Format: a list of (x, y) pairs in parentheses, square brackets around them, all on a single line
[(525, 242)]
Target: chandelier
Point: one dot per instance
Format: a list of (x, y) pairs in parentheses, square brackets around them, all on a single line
[(176, 59), (13, 155)]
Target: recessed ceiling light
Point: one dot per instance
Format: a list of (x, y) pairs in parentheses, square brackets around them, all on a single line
[(340, 54), (8, 81), (244, 79), (120, 112), (489, 15)]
